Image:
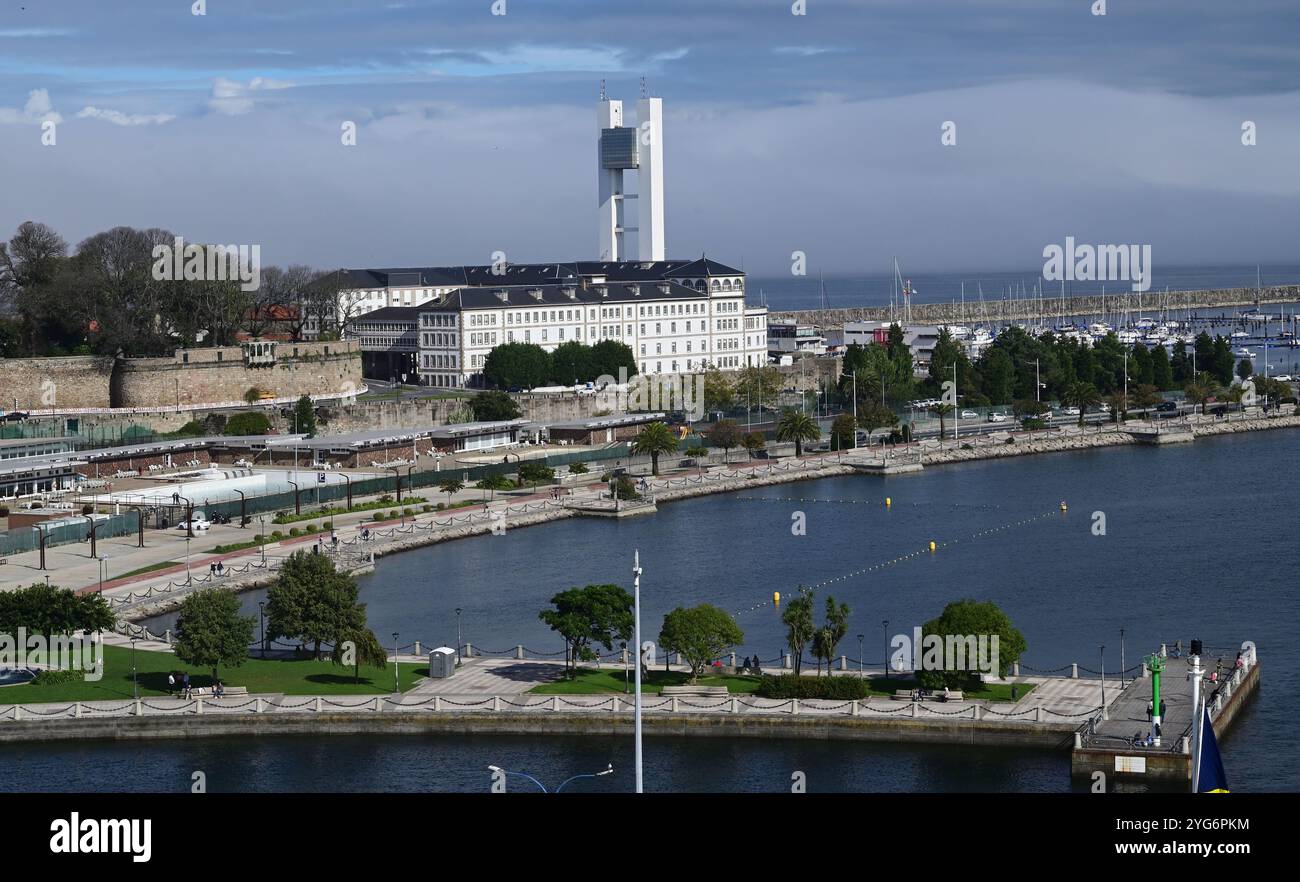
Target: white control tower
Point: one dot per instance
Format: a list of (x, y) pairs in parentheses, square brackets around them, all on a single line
[(619, 149)]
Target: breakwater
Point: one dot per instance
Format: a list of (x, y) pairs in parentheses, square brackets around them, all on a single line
[(1049, 308)]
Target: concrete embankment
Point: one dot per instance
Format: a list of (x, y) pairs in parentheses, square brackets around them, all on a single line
[(1056, 736), (687, 486)]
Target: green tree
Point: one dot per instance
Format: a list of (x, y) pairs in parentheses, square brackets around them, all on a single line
[(608, 356), (493, 406), (248, 422), (535, 472), (654, 439), (359, 646), (828, 636), (872, 416), (596, 614), (700, 634), (942, 410), (758, 386), (578, 468), (753, 442), (1147, 395), (699, 453), (521, 365), (844, 431), (210, 632), (1224, 361), (1162, 374), (312, 602), (451, 487), (950, 662), (1082, 396), (304, 417), (1201, 390), (799, 628), (1245, 369), (725, 434), (797, 426), (493, 483), (571, 362), (719, 391)]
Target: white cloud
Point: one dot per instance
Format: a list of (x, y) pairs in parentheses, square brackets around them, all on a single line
[(36, 32), (116, 117), (234, 98), (38, 109)]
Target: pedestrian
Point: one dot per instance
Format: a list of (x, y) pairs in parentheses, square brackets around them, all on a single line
[(212, 569), (1240, 662), (171, 684), (185, 680)]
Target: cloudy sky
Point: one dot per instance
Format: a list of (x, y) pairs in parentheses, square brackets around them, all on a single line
[(817, 132)]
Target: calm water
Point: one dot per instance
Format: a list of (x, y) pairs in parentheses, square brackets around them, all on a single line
[(874, 289), (1199, 543)]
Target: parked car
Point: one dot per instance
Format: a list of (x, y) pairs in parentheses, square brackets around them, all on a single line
[(1069, 411), (198, 522), (969, 415), (1167, 407), (998, 418)]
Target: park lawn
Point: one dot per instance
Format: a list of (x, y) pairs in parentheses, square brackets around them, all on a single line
[(291, 677), (598, 680), (149, 569)]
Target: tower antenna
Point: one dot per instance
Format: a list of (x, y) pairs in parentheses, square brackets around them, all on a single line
[(602, 90), (643, 94)]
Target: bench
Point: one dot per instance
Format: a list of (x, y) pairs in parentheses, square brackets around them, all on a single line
[(695, 691), (906, 695)]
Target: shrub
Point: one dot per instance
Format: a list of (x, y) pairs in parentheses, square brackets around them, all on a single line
[(248, 422), (394, 514), (49, 677), (294, 531), (378, 516), (966, 447), (328, 525), (578, 468), (312, 528), (385, 499), (192, 429), (1010, 441), (791, 686), (408, 511), (87, 509), (4, 511), (277, 535), (440, 506), (426, 508)]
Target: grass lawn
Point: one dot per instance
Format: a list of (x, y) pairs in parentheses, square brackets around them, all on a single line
[(291, 677), (594, 680), (149, 569)]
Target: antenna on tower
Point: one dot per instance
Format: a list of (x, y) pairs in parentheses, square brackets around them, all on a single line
[(602, 90), (643, 94)]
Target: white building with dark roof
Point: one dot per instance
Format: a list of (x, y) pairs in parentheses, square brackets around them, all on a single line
[(676, 316)]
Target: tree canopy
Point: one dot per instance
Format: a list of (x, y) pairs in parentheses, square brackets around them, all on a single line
[(597, 614), (210, 632), (701, 633)]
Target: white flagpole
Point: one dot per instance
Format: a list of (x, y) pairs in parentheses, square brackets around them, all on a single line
[(636, 612), (1199, 724)]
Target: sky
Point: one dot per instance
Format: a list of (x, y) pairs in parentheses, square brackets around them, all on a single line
[(819, 132)]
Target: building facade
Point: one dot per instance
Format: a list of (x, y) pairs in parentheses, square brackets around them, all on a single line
[(676, 316)]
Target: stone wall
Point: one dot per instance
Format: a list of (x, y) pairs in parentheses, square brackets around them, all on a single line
[(1050, 308), (41, 383), (210, 376)]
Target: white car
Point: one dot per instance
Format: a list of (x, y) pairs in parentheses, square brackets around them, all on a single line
[(969, 415), (198, 522), (998, 418), (1069, 411)]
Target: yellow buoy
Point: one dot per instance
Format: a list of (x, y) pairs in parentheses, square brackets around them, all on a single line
[(932, 546), (888, 502), (1064, 507), (776, 598)]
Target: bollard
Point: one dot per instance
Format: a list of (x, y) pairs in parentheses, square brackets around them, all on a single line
[(378, 707), (18, 712), (1015, 669), (615, 704), (1187, 749), (417, 649), (977, 713), (794, 706), (733, 661), (437, 703), (1038, 714), (519, 651), (1074, 671), (555, 703), (1146, 672), (857, 707), (1078, 741), (914, 706), (674, 704), (735, 705), (317, 704), (623, 655), (843, 664), (785, 662), (167, 636), (76, 710), (257, 708), (469, 651), (679, 658), (198, 706)]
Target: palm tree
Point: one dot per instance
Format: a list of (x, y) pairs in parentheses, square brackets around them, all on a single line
[(942, 410), (1082, 396), (655, 439), (797, 426), (1201, 390), (493, 483)]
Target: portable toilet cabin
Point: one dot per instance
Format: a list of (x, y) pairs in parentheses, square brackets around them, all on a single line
[(442, 662)]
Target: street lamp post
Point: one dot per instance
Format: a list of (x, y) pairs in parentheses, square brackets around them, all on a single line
[(103, 566), (135, 680), (261, 539), (459, 641), (609, 770), (1103, 677), (396, 683), (1121, 659), (261, 610), (189, 576), (861, 669), (885, 627)]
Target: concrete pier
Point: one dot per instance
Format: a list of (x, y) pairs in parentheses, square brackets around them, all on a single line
[(1106, 743)]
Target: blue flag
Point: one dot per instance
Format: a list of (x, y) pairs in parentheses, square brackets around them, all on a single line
[(1210, 777)]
